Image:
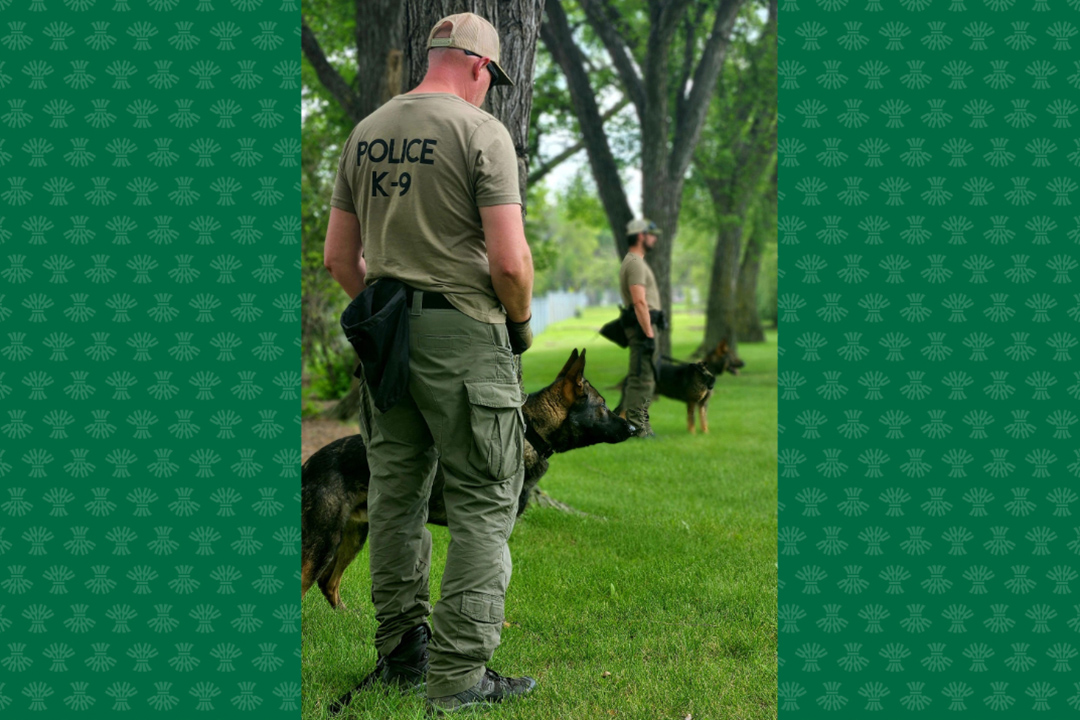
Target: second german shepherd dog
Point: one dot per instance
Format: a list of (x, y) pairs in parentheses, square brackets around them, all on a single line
[(692, 383), (566, 415)]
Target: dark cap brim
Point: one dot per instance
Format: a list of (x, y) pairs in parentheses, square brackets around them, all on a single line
[(501, 78)]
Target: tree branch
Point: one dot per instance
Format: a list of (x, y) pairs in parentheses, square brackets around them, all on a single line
[(670, 12), (688, 129), (690, 25), (618, 51), (556, 35), (328, 75), (549, 165)]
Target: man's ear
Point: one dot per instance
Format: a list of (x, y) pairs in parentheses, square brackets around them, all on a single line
[(479, 67)]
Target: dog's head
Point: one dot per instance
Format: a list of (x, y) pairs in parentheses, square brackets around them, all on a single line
[(703, 375), (570, 412), (722, 360)]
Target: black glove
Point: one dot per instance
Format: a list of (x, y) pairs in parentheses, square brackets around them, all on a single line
[(649, 345), (520, 335)]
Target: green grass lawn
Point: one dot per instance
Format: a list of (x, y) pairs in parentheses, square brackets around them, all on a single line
[(661, 603)]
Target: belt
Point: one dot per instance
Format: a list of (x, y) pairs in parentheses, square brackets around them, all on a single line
[(431, 300)]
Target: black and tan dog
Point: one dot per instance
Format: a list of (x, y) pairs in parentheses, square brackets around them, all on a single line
[(566, 415), (692, 383)]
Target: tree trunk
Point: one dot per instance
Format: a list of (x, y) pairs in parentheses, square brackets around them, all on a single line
[(380, 38), (747, 312), (518, 23), (720, 310), (747, 320)]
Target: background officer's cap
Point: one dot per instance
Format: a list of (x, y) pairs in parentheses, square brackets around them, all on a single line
[(474, 34), (642, 225)]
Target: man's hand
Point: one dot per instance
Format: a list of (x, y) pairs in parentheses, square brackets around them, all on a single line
[(649, 345), (521, 336)]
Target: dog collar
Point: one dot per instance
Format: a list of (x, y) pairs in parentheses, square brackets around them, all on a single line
[(540, 445)]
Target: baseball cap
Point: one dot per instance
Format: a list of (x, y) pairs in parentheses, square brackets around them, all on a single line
[(474, 34), (642, 225)]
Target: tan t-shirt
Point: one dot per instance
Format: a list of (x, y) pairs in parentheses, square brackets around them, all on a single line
[(635, 271), (415, 173)]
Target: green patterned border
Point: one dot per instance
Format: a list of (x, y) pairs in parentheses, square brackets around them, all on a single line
[(930, 313), (149, 369)]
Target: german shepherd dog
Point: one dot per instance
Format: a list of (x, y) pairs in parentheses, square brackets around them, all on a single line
[(692, 383), (566, 415)]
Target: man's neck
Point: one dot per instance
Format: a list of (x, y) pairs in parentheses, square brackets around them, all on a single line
[(439, 81), (434, 86), (638, 250)]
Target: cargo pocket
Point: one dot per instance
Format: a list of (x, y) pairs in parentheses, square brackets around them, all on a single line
[(498, 427), (482, 607)]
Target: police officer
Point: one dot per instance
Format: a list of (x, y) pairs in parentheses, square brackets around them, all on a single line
[(427, 187), (642, 321)]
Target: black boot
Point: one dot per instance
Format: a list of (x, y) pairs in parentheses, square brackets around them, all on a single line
[(491, 688), (405, 668)]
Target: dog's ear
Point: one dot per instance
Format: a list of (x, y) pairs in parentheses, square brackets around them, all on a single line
[(568, 365), (573, 378), (721, 348)]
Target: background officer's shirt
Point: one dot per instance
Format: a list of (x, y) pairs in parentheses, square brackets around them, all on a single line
[(635, 271), (415, 173)]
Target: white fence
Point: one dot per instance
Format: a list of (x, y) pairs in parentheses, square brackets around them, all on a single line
[(560, 304), (555, 306)]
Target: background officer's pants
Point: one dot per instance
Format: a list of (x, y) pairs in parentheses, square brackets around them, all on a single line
[(640, 380), (463, 409)]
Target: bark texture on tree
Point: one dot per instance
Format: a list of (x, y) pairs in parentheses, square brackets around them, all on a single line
[(720, 307), (518, 23), (747, 319), (380, 36)]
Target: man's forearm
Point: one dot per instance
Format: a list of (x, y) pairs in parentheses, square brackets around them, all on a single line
[(515, 293), (642, 312), (350, 277)]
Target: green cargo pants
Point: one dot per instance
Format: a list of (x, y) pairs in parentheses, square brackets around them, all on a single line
[(463, 410), (640, 380)]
